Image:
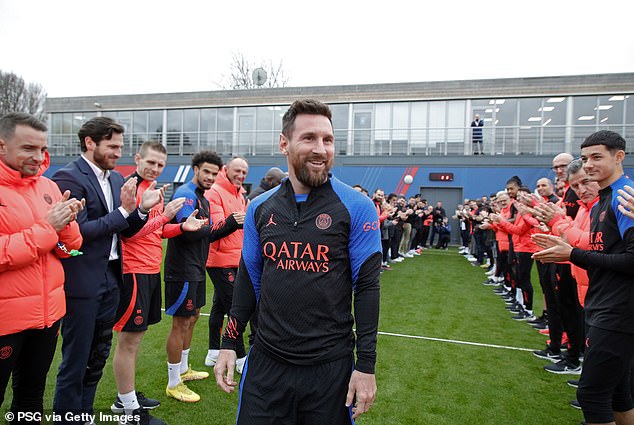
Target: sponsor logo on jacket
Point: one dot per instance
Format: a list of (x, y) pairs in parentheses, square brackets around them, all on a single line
[(596, 241), (300, 256)]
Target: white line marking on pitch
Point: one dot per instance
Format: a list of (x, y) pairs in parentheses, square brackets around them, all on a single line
[(453, 341), (429, 338)]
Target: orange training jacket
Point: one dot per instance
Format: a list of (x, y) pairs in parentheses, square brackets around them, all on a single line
[(577, 232), (224, 198), (31, 275)]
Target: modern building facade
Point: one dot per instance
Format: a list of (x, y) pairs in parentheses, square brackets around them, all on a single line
[(382, 131)]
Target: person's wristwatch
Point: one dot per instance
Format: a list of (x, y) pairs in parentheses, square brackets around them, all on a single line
[(142, 211)]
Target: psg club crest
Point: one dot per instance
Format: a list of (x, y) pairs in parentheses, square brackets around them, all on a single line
[(138, 320), (48, 198), (602, 216), (5, 352), (323, 221)]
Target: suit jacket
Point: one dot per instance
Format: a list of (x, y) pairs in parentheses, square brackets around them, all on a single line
[(85, 275), (477, 130)]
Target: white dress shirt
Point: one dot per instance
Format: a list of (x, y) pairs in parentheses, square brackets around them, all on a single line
[(104, 182)]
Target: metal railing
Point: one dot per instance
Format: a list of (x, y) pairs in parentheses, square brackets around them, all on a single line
[(430, 141)]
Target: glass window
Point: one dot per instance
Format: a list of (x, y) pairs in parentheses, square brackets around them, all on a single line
[(190, 119), (139, 121), (610, 114), (584, 118), (340, 124), (139, 129), (265, 140), (362, 128), (78, 120), (456, 110), (628, 102), (502, 114), (246, 130), (419, 128), (155, 125), (190, 130), (382, 128), (175, 120), (530, 121), (225, 131), (174, 130), (56, 123), (553, 126), (155, 121), (400, 128), (437, 119), (208, 129)]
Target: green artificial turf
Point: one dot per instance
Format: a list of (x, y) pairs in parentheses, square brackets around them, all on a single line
[(430, 304)]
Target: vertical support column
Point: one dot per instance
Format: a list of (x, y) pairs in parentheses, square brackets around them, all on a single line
[(570, 116), (467, 131), (164, 132)]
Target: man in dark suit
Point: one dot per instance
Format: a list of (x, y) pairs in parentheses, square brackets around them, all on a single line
[(92, 279), (476, 135)]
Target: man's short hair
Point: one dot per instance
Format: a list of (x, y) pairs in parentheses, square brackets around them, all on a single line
[(98, 129), (514, 180), (305, 106), (153, 145), (10, 121), (611, 140), (210, 157), (573, 168)]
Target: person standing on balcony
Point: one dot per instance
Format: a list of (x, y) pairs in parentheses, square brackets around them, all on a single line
[(476, 135)]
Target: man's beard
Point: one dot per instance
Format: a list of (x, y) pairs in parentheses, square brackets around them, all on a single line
[(308, 178), (100, 160)]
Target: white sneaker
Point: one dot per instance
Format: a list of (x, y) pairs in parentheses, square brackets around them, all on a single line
[(398, 259), (490, 272), (212, 356), (471, 258), (240, 364), (408, 255)]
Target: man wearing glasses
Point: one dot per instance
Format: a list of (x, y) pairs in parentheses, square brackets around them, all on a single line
[(570, 313)]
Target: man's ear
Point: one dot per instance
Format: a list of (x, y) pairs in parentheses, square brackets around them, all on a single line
[(283, 145), (90, 143), (3, 147)]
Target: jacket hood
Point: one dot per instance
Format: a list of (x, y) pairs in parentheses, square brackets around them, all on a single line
[(11, 177), (223, 181)]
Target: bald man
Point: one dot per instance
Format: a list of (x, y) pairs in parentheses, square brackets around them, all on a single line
[(545, 189), (226, 199), (271, 179)]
